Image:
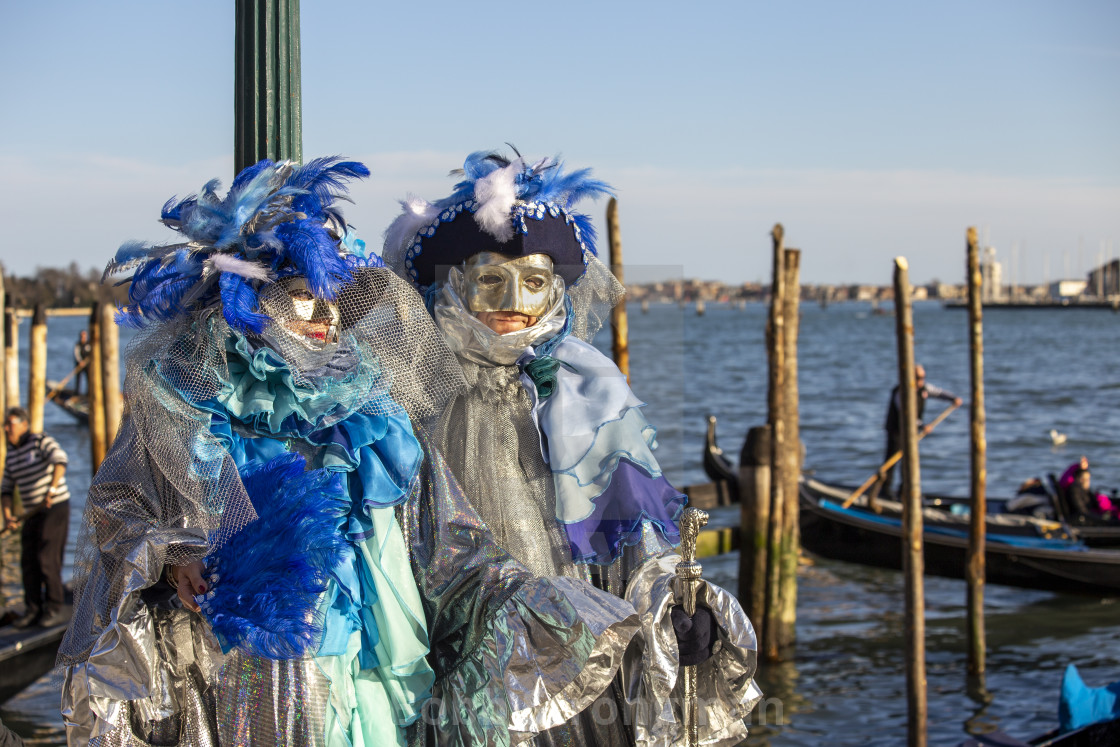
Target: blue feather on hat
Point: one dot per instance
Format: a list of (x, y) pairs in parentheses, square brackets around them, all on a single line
[(518, 207), (272, 223)]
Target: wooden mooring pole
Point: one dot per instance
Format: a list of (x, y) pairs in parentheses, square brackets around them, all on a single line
[(754, 521), (791, 453), (913, 565), (620, 328), (975, 573), (96, 392), (781, 592), (11, 355), (770, 639), (37, 368), (3, 377), (110, 372)]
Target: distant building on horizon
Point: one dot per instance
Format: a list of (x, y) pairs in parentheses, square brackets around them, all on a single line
[(1068, 288), (991, 277), (1105, 280)]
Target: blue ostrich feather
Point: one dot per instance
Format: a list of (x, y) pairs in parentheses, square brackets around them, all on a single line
[(544, 181), (568, 189), (272, 217), (323, 180), (240, 303), (250, 172), (268, 577), (483, 163), (242, 205), (314, 254), (586, 231), (157, 287)]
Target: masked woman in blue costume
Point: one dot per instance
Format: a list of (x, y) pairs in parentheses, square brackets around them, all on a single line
[(241, 576), (551, 448)]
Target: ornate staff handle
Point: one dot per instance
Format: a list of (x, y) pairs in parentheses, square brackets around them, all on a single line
[(688, 580)]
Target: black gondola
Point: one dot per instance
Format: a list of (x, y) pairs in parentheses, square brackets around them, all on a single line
[(719, 468), (1094, 533), (1020, 550), (76, 405), (1093, 530), (1103, 734)]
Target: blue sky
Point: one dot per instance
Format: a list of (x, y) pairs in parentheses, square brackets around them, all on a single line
[(869, 129)]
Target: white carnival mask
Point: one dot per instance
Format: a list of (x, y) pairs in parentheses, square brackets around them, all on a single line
[(298, 313)]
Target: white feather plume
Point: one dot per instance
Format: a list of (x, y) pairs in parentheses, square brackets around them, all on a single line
[(229, 263), (496, 192), (417, 213)]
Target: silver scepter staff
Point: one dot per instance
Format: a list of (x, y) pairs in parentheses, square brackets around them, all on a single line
[(688, 580)]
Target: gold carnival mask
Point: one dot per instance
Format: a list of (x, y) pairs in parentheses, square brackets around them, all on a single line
[(498, 282), (314, 321)]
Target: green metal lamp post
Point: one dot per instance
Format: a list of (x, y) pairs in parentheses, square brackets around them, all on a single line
[(267, 120)]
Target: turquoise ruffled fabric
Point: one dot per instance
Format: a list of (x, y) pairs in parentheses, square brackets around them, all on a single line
[(261, 391)]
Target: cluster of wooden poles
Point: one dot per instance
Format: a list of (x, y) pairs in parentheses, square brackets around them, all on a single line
[(771, 468), (106, 406), (912, 556)]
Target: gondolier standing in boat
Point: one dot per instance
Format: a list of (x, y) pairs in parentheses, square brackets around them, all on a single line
[(36, 464), (83, 349), (893, 425)]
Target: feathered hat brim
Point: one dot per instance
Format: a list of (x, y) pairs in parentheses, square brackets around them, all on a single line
[(460, 239)]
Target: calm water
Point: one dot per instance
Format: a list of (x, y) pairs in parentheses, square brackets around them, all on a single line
[(845, 683)]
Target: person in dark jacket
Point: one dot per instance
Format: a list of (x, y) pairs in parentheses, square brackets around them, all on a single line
[(83, 350), (893, 426), (9, 738)]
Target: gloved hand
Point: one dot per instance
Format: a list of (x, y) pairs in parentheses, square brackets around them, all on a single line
[(696, 635)]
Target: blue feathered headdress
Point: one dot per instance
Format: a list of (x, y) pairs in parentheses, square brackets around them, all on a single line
[(509, 206), (278, 219)]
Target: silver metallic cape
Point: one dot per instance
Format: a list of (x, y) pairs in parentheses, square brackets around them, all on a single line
[(490, 441), (515, 653), (726, 685), (140, 669), (159, 660), (154, 673)]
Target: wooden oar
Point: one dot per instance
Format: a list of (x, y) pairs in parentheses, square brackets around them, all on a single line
[(59, 386), (894, 458)]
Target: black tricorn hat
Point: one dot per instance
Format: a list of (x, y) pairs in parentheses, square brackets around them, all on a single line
[(507, 206), (461, 238)]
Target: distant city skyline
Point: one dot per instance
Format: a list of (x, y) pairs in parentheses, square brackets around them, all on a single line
[(869, 130)]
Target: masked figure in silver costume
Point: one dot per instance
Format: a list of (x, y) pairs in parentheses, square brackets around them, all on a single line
[(242, 577), (550, 447)]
